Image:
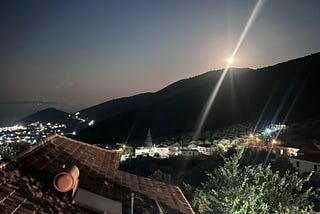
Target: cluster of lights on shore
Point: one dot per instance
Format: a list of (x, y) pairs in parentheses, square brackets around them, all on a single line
[(34, 132), (31, 133)]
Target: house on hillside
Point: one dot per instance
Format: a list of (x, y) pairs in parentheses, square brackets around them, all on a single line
[(307, 163), (142, 151), (286, 151), (307, 158), (189, 152), (62, 175), (162, 149), (207, 149)]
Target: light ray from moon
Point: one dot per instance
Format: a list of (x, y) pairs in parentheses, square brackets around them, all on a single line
[(252, 17), (215, 91)]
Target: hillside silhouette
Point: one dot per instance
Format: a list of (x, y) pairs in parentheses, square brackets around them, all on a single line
[(50, 115), (286, 91), (283, 92)]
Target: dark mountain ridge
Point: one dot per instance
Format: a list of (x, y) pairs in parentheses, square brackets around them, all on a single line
[(49, 115), (110, 108), (283, 92), (117, 106)]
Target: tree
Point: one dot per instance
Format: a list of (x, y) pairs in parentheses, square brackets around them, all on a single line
[(148, 141), (251, 189), (282, 164), (5, 151), (128, 150), (156, 155)]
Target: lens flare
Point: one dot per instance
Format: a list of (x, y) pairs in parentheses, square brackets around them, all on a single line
[(252, 17), (215, 91)]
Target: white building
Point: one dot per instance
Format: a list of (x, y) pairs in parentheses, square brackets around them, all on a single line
[(142, 151), (189, 152), (279, 126), (307, 163), (285, 151), (163, 150), (207, 149)]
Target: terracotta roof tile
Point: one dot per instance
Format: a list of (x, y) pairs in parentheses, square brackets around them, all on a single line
[(29, 177)]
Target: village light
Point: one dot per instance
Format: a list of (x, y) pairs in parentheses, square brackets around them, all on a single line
[(91, 123)]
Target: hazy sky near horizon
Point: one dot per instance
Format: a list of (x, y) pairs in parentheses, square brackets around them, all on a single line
[(79, 53)]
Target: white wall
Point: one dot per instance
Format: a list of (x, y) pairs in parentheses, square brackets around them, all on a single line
[(97, 202), (142, 151), (163, 151), (305, 166), (206, 150)]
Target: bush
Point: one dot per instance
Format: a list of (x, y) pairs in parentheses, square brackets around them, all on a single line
[(5, 151), (251, 189), (156, 155)]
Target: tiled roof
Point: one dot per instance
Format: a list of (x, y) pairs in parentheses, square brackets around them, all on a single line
[(312, 157), (162, 146), (169, 195), (98, 173), (205, 145), (189, 150), (24, 194)]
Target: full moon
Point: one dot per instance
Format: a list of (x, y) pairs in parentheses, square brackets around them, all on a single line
[(230, 60)]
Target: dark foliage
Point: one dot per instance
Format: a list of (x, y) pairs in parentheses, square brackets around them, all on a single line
[(252, 189)]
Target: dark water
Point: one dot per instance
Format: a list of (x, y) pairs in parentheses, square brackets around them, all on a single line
[(11, 112)]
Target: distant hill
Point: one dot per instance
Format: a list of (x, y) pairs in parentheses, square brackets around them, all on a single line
[(51, 115), (110, 108), (288, 90)]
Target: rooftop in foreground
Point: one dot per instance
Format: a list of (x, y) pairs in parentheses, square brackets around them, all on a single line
[(27, 181)]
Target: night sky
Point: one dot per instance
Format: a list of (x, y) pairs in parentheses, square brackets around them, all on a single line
[(80, 53)]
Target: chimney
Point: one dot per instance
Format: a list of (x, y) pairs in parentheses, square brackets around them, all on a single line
[(67, 180)]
